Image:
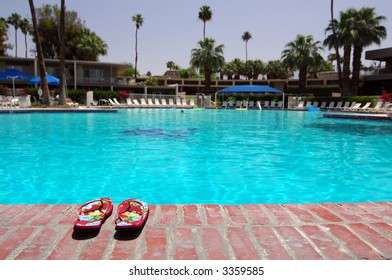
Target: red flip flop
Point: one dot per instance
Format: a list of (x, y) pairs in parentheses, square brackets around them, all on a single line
[(132, 214), (93, 213)]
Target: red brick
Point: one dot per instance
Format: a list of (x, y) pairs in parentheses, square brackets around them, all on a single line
[(155, 244), (322, 212), (270, 243), (325, 243), (65, 250), (27, 214), (356, 209), (184, 244), (339, 209), (213, 214), (241, 244), (257, 214), (352, 242), (379, 209), (11, 212), (191, 215), (14, 240), (50, 214), (378, 241), (124, 249), (39, 247), (3, 230), (383, 228), (299, 245), (95, 248), (235, 214), (303, 215), (213, 244), (169, 215), (71, 216), (280, 214)]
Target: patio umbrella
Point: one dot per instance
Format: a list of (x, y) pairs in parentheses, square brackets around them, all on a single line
[(250, 89), (14, 74), (52, 80)]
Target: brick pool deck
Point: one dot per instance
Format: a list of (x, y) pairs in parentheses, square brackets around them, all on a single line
[(186, 232)]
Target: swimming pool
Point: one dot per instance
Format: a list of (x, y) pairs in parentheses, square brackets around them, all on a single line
[(198, 157)]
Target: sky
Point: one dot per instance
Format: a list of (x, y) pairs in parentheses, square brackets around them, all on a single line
[(171, 28)]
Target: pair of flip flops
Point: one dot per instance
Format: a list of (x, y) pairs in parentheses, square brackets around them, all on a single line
[(132, 214)]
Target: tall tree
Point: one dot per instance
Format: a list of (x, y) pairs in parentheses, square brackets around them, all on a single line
[(367, 29), (138, 19), (25, 29), (41, 61), (301, 53), (63, 96), (3, 37), (336, 45), (14, 19), (246, 37), (90, 46), (208, 58), (205, 14)]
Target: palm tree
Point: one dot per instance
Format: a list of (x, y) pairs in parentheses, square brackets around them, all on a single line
[(336, 45), (301, 53), (276, 69), (138, 19), (14, 19), (90, 46), (205, 14), (207, 58), (63, 97), (24, 26), (246, 37), (3, 37), (40, 53), (367, 30)]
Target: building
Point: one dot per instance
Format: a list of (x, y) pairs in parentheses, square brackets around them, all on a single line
[(382, 77)]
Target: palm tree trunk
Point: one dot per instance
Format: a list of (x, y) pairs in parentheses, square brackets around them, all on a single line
[(26, 45), (302, 76), (204, 30), (338, 59), (41, 61), (346, 91), (16, 42), (356, 68), (62, 99), (136, 54), (207, 81)]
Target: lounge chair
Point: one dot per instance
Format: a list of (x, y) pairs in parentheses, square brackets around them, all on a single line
[(164, 103), (136, 102), (251, 104), (331, 105), (111, 102), (338, 106), (345, 106), (365, 107), (224, 104), (157, 104), (245, 104), (150, 103), (266, 104), (273, 103), (354, 107), (323, 105), (184, 103), (230, 104), (178, 102), (377, 107), (300, 105), (129, 102), (280, 105), (308, 103), (192, 103), (238, 104), (143, 102), (171, 102), (116, 101)]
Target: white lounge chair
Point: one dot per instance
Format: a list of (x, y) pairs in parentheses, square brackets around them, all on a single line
[(245, 104), (164, 103), (137, 103), (323, 105), (150, 103), (273, 103), (111, 102), (365, 107), (331, 105), (230, 104), (266, 104), (377, 107), (251, 104), (129, 102), (157, 104), (171, 102), (238, 104), (353, 107), (192, 103), (143, 102), (300, 105)]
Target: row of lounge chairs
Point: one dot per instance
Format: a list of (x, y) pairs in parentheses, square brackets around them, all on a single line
[(149, 103), (245, 104), (348, 106)]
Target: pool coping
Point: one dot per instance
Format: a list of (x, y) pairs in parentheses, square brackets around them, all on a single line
[(325, 231)]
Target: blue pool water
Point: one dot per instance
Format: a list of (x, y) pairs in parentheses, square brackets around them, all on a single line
[(198, 156)]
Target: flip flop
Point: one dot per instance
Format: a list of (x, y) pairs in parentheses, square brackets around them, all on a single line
[(92, 214), (132, 214)]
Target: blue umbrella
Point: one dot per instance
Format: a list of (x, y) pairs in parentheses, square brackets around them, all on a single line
[(14, 74), (250, 89), (51, 80)]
